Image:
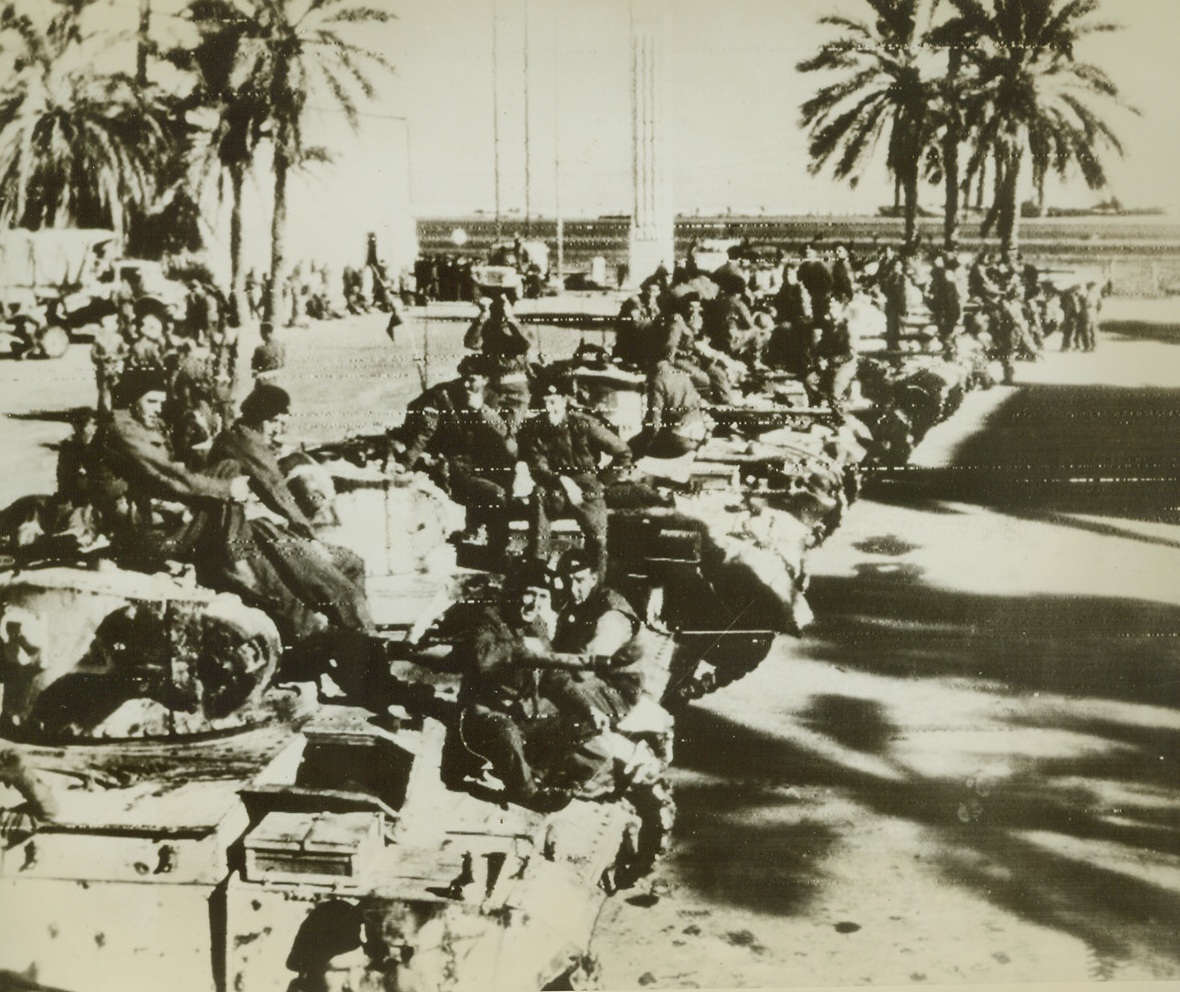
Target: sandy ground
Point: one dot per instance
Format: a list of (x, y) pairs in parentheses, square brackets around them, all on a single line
[(969, 770)]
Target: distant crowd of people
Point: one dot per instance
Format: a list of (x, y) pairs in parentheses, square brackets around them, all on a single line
[(311, 291), (720, 326)]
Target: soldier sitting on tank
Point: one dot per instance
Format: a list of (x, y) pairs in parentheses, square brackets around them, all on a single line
[(834, 369), (496, 334), (716, 374), (505, 716), (637, 334), (155, 510), (597, 624), (673, 423), (466, 445), (249, 447), (563, 449), (729, 322)]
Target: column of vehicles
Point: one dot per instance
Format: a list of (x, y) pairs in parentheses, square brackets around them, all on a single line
[(167, 756), (57, 286)]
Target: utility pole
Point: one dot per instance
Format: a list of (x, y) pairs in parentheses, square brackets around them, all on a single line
[(496, 109), (557, 148), (528, 180), (653, 222)]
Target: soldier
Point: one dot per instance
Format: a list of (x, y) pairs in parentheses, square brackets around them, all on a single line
[(150, 344), (673, 423), (792, 303), (944, 298), (1089, 302), (107, 353), (505, 716), (563, 449), (452, 430), (893, 285), (270, 356), (835, 366), (713, 372), (335, 575), (155, 508), (496, 334), (817, 280), (843, 280), (636, 329), (197, 397), (252, 288), (598, 624), (473, 338), (139, 489)]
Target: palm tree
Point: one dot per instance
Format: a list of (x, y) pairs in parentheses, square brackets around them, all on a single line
[(283, 51), (239, 123), (948, 119), (1029, 98), (76, 147), (882, 88)]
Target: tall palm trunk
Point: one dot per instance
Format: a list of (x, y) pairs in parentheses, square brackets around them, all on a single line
[(237, 280), (1008, 223), (950, 151), (278, 230), (950, 219), (142, 42), (910, 194)]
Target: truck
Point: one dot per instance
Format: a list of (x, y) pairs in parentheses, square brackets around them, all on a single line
[(58, 285)]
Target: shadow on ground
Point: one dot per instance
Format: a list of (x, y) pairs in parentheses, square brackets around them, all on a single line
[(1070, 448), (1085, 844), (1140, 330), (890, 623), (983, 839)]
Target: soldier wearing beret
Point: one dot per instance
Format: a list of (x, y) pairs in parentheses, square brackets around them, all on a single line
[(563, 448), (467, 446)]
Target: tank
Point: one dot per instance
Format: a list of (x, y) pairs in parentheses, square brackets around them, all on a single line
[(174, 818)]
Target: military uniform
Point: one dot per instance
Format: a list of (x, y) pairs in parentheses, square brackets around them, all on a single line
[(673, 425), (475, 449), (572, 449), (331, 578), (614, 687), (504, 717)]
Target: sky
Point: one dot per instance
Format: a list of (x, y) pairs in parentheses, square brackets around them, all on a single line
[(734, 127), (426, 146)]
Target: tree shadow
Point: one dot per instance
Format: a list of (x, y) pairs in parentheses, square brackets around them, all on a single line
[(857, 724), (983, 839), (739, 843), (1105, 528), (1095, 449), (886, 622), (1141, 330)]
